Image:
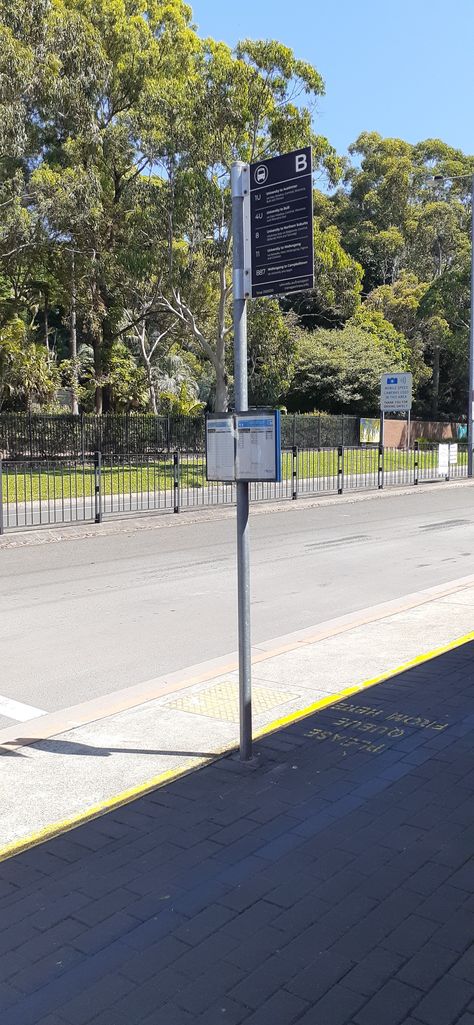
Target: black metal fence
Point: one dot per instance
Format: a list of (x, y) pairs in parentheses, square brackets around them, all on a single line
[(34, 492), (43, 436)]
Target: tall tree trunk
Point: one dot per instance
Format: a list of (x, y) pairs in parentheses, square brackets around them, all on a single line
[(98, 374), (145, 349), (106, 399), (435, 383), (73, 341), (151, 388), (98, 331), (46, 320), (222, 393)]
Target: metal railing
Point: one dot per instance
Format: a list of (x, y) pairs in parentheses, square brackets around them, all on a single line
[(132, 435), (51, 492), (57, 491)]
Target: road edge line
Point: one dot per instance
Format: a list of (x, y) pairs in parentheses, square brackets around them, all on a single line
[(68, 719), (156, 782)]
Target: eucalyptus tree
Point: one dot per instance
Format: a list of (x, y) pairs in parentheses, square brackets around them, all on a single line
[(244, 104)]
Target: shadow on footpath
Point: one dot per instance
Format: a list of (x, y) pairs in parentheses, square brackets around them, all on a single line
[(69, 747), (330, 880)]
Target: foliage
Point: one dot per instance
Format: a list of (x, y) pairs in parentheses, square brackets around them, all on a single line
[(25, 371), (272, 340), (340, 370), (127, 382), (118, 128), (338, 282), (182, 403)]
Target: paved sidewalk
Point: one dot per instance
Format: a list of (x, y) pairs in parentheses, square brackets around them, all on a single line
[(330, 882), (64, 763)]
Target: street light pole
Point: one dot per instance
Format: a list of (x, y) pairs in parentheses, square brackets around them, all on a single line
[(470, 403), (470, 411)]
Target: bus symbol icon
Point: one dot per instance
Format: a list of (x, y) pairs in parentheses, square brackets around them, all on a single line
[(261, 174)]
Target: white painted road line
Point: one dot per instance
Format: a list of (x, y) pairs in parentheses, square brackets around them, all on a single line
[(17, 710)]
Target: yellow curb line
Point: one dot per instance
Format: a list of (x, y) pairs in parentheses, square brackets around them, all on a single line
[(332, 699), (127, 796)]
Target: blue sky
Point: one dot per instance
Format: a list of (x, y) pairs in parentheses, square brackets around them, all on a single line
[(404, 68)]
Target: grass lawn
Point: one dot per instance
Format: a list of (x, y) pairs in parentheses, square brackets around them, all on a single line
[(51, 483)]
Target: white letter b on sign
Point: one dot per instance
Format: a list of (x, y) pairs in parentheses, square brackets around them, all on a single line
[(301, 162)]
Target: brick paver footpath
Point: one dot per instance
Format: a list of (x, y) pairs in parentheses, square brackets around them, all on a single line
[(330, 882)]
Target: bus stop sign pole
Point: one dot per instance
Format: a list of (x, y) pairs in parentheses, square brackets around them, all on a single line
[(241, 288)]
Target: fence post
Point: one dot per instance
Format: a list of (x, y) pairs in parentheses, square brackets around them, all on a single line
[(176, 482), (381, 466), (98, 486), (416, 448), (1, 497), (340, 469), (319, 430), (294, 494)]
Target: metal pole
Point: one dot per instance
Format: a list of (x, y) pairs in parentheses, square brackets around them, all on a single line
[(98, 486), (176, 482), (470, 411), (408, 429), (239, 189), (340, 470), (382, 445), (295, 473)]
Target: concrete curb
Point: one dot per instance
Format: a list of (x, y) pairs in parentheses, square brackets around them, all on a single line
[(127, 796), (126, 523), (54, 723)]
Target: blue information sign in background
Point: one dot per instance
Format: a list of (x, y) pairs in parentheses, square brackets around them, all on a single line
[(281, 224)]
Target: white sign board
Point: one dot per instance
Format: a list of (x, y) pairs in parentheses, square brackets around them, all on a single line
[(220, 454), (453, 454), (243, 446), (396, 393), (443, 460), (258, 447)]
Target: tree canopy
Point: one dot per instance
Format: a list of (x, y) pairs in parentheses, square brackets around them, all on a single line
[(118, 128)]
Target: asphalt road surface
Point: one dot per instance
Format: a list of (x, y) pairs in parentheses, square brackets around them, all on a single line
[(86, 617)]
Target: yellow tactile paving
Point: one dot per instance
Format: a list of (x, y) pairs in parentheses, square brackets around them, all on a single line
[(222, 701)]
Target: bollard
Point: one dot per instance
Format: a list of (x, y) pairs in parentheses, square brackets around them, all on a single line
[(98, 486), (416, 452), (381, 467), (294, 494), (175, 482), (340, 470)]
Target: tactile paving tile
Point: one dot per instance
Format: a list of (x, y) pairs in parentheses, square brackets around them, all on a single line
[(221, 701)]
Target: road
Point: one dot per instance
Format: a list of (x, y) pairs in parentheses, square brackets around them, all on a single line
[(86, 617)]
